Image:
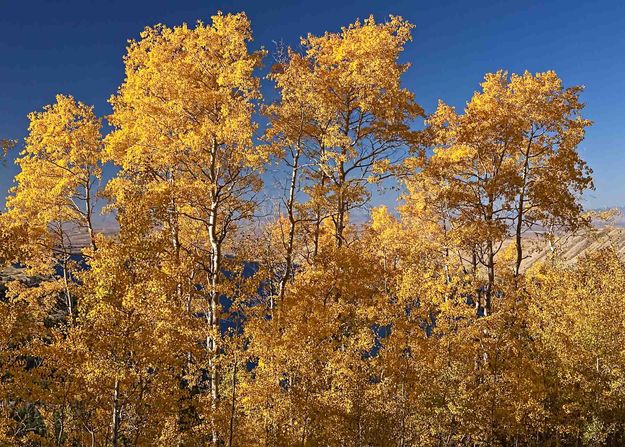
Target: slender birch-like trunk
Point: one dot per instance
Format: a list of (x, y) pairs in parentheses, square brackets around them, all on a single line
[(521, 210), (116, 415), (213, 316), (233, 402), (89, 215), (290, 208)]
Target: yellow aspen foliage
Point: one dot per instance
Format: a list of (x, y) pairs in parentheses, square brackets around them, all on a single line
[(53, 198), (183, 138), (313, 367), (356, 115), (578, 323), (206, 321), (59, 168), (509, 163)]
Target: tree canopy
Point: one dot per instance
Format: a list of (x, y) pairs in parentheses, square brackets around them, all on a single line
[(215, 315)]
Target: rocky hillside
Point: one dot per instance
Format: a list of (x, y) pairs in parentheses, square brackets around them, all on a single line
[(571, 247)]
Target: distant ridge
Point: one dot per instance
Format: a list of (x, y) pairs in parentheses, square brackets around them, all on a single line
[(569, 248)]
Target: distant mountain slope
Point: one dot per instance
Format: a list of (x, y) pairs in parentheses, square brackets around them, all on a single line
[(79, 237), (571, 247)]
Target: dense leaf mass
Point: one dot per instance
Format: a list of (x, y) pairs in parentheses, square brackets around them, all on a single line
[(217, 316)]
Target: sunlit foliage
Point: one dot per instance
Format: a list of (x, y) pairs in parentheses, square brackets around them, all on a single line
[(204, 320)]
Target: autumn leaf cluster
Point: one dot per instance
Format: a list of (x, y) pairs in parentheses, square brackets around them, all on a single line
[(251, 296)]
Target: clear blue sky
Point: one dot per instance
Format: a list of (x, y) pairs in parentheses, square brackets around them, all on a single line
[(76, 47)]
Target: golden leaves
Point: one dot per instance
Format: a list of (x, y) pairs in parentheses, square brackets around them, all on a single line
[(192, 324)]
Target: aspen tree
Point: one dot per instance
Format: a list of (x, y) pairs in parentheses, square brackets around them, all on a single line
[(509, 162), (289, 130), (351, 82), (183, 131), (552, 174), (54, 195)]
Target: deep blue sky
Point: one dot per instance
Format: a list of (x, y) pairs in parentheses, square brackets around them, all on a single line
[(76, 47)]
